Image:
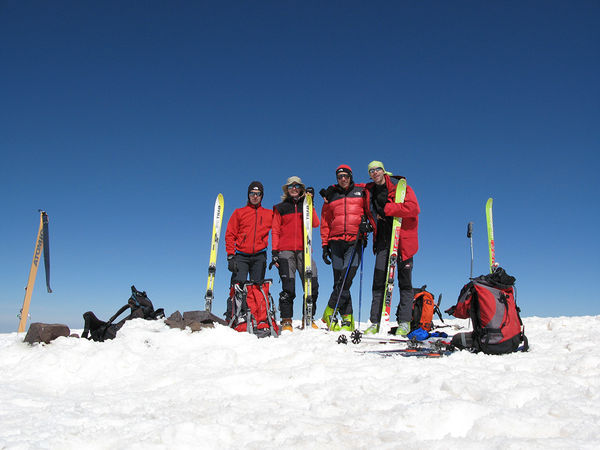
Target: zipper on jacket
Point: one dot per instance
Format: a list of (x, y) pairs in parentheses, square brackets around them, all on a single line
[(255, 225)]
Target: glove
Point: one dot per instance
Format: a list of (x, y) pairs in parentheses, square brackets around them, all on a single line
[(365, 226), (231, 263), (419, 334), (274, 259), (327, 254)]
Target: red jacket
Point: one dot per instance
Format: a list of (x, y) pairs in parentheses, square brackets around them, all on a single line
[(288, 225), (408, 211), (248, 230), (342, 213)]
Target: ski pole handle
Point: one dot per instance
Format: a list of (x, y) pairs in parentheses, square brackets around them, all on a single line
[(470, 230)]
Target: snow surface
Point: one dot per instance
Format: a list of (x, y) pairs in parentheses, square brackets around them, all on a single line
[(154, 388)]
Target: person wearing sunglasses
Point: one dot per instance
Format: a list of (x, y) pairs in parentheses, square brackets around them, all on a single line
[(247, 238), (288, 247), (380, 199), (341, 224)]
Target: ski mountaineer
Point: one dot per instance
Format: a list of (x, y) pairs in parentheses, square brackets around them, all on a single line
[(288, 248), (246, 240), (341, 223), (380, 196)]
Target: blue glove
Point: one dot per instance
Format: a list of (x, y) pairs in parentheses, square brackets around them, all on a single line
[(438, 334), (419, 334)]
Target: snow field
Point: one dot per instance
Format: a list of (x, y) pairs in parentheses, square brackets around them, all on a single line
[(157, 388)]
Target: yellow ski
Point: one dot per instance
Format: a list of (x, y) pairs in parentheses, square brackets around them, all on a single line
[(307, 208), (214, 247)]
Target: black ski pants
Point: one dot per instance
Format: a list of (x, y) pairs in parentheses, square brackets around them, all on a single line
[(404, 270), (290, 262), (254, 265), (341, 254)]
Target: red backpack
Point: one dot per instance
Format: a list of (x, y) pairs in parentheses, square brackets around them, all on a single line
[(489, 300), (253, 310)]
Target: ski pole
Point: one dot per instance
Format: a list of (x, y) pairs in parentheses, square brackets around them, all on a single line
[(362, 254), (358, 241), (470, 236)]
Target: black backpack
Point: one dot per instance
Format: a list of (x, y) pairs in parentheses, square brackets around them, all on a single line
[(140, 306)]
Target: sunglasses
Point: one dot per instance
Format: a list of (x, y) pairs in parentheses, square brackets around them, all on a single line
[(294, 186), (255, 194), (343, 175), (375, 169)]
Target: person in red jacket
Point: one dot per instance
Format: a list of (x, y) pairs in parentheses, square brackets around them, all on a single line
[(380, 199), (288, 248), (247, 238), (341, 218)]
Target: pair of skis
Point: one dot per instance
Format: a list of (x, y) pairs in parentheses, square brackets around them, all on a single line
[(433, 349), (41, 244), (307, 209), (214, 247)]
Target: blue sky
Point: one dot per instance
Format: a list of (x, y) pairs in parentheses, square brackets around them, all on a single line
[(124, 120)]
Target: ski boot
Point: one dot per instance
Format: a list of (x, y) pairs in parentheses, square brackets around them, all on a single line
[(313, 325), (286, 325), (328, 321), (347, 323), (373, 329), (403, 328)]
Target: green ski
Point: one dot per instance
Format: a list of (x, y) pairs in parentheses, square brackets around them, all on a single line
[(384, 323), (490, 230)]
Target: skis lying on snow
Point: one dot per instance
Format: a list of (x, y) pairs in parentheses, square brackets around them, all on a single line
[(413, 347), (405, 352), (432, 349)]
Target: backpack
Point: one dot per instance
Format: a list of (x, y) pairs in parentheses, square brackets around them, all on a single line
[(489, 300), (252, 309), (141, 307), (424, 307)]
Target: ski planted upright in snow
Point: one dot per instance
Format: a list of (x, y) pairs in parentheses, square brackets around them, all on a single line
[(307, 208), (41, 243), (214, 247), (490, 229), (384, 323)]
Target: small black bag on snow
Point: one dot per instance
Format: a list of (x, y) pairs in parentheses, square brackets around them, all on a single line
[(489, 300), (140, 306)]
